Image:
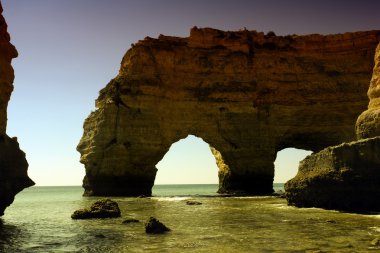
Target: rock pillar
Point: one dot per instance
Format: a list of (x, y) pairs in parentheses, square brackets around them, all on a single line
[(13, 165)]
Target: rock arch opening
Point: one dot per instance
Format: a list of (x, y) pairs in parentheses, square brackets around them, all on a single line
[(188, 161), (286, 164)]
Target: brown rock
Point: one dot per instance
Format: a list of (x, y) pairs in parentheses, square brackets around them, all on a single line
[(104, 208), (13, 165), (368, 123), (7, 53), (154, 226), (248, 95), (344, 177)]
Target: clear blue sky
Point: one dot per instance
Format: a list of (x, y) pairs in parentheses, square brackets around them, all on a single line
[(70, 49)]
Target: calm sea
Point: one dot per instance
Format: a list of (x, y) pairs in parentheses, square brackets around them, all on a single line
[(39, 221)]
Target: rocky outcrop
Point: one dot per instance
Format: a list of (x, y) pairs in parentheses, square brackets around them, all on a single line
[(104, 208), (7, 53), (154, 226), (13, 165), (247, 94), (345, 177), (368, 123)]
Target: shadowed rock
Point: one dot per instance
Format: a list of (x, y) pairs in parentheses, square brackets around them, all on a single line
[(154, 226), (376, 241), (345, 177), (247, 94), (127, 221), (193, 203), (104, 208), (13, 165)]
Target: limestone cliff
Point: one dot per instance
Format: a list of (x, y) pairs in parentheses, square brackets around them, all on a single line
[(13, 165), (248, 95), (368, 123), (347, 176)]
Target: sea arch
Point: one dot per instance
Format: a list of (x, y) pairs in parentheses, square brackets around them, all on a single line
[(188, 161), (247, 94), (287, 162)]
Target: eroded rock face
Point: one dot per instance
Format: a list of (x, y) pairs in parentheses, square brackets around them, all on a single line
[(7, 53), (248, 95), (345, 177), (13, 165), (368, 123)]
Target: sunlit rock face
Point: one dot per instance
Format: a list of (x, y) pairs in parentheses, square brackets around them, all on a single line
[(345, 177), (368, 123), (248, 95), (13, 165)]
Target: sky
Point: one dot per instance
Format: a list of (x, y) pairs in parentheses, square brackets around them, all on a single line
[(70, 49)]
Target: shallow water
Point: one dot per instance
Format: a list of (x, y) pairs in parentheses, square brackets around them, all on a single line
[(39, 221)]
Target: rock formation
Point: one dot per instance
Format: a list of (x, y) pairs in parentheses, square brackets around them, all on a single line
[(368, 123), (13, 165), (345, 177), (104, 208), (154, 226), (248, 95)]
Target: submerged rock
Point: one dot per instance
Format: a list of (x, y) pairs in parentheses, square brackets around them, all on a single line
[(245, 93), (193, 203), (104, 208), (154, 226), (131, 220), (376, 241), (279, 194)]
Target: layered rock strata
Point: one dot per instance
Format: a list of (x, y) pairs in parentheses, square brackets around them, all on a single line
[(248, 95), (13, 165), (345, 177)]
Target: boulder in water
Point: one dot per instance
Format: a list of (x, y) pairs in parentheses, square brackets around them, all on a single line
[(376, 241), (154, 226), (193, 203), (130, 220), (104, 208)]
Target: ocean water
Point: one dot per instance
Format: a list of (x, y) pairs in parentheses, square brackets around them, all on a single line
[(39, 221)]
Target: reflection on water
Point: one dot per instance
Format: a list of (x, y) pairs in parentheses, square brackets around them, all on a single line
[(8, 236), (39, 221)]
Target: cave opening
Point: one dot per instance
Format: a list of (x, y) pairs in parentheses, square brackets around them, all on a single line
[(188, 168), (286, 165)]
